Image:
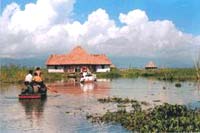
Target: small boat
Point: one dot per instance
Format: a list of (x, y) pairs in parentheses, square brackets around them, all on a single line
[(38, 95)]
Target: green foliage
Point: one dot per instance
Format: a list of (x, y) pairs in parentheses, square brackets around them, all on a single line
[(169, 74), (53, 76), (113, 74), (162, 118), (13, 73)]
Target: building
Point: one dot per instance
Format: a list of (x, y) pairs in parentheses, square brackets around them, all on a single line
[(151, 65), (78, 60)]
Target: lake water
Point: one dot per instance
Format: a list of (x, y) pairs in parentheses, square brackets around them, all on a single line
[(67, 104)]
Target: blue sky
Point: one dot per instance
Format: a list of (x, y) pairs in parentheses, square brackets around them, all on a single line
[(185, 14), (166, 31)]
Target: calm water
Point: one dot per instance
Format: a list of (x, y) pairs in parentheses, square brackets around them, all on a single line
[(68, 103)]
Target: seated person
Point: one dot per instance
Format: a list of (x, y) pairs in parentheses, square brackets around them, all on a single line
[(38, 84), (37, 78), (38, 71), (28, 83)]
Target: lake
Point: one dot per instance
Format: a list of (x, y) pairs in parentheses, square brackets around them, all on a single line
[(68, 103)]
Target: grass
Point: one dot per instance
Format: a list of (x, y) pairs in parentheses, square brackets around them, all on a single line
[(16, 74), (169, 74), (12, 74), (48, 77), (161, 118), (115, 73)]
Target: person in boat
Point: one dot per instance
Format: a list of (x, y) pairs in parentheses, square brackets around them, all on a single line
[(28, 83), (37, 76), (38, 83), (38, 71)]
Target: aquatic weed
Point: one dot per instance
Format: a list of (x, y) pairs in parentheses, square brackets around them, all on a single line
[(162, 118)]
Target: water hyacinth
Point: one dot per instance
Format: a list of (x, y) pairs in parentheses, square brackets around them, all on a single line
[(116, 100), (178, 84), (162, 118)]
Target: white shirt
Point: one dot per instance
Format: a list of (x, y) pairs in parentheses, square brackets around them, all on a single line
[(29, 78), (84, 74)]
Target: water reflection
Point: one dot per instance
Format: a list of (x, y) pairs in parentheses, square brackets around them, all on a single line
[(87, 87), (33, 108), (78, 99), (96, 88)]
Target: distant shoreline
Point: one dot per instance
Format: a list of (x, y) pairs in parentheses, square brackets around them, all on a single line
[(16, 74)]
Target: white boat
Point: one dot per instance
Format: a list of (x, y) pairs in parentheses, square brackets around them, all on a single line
[(88, 78)]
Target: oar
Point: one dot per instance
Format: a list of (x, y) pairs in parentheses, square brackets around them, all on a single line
[(52, 90)]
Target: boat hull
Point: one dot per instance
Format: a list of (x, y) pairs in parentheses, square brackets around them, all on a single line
[(31, 96)]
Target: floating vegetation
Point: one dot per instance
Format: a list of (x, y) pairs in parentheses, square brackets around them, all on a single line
[(162, 118), (156, 100), (116, 100), (145, 103), (178, 84), (164, 88), (121, 105)]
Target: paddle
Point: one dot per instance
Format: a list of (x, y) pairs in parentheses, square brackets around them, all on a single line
[(52, 90)]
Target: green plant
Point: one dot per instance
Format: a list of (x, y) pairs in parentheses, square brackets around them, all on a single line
[(162, 118)]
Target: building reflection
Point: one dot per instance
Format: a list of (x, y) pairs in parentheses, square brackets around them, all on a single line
[(72, 87)]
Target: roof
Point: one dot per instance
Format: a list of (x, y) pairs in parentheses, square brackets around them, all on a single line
[(151, 64), (78, 56)]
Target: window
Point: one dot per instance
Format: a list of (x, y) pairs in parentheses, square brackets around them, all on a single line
[(56, 67), (102, 66), (77, 69)]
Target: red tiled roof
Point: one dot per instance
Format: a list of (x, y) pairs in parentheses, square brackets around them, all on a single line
[(78, 56)]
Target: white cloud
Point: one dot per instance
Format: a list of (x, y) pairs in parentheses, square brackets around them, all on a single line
[(47, 27), (135, 17), (41, 15)]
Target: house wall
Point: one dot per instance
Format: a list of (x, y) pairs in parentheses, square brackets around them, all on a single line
[(71, 69), (53, 69), (103, 68)]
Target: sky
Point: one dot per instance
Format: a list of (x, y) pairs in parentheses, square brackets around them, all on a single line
[(164, 31)]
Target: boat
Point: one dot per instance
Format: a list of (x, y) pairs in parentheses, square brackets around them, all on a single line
[(42, 93), (88, 78), (32, 96)]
